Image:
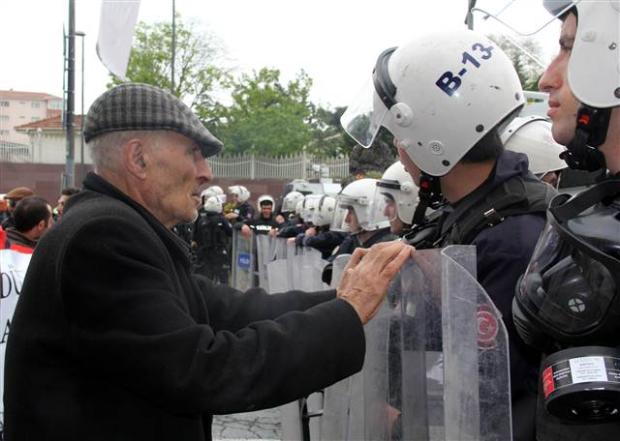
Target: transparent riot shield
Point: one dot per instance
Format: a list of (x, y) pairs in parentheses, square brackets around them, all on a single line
[(339, 263), (436, 364), (264, 255), (312, 264), (242, 264)]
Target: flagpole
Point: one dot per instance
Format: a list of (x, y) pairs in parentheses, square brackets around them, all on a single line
[(70, 97), (173, 46)]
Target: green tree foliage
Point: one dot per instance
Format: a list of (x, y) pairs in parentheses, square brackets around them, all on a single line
[(328, 136), (197, 56), (522, 54), (378, 157), (265, 117)]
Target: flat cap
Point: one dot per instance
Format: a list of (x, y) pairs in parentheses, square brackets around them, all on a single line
[(19, 193), (135, 106)]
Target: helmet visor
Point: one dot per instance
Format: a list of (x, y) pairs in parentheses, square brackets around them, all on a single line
[(384, 206), (364, 117), (343, 212), (519, 17)]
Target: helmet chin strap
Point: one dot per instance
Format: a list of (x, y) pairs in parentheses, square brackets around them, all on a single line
[(582, 152), (429, 196)]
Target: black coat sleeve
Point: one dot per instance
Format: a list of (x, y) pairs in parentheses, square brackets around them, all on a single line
[(133, 321)]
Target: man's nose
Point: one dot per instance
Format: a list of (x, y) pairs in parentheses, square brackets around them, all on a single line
[(204, 172)]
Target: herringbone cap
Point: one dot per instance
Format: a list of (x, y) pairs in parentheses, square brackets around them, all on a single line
[(135, 106)]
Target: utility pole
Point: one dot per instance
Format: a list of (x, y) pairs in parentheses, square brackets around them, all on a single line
[(70, 98), (469, 19), (174, 43)]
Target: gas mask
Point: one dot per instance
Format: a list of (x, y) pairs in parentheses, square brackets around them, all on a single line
[(568, 304)]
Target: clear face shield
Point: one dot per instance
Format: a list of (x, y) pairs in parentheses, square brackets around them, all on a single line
[(523, 28), (524, 18), (385, 206), (312, 202), (365, 116), (341, 213)]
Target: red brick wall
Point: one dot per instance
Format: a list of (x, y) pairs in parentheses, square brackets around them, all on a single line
[(45, 180)]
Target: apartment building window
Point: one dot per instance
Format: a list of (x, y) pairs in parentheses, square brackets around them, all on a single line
[(4, 132), (35, 118), (4, 117), (4, 104), (35, 104)]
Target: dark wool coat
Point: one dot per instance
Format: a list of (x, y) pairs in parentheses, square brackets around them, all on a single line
[(114, 339)]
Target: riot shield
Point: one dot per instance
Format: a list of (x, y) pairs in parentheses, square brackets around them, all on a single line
[(242, 264), (264, 253), (312, 268), (436, 364), (338, 265)]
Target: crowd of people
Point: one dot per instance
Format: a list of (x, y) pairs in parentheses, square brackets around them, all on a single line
[(126, 330)]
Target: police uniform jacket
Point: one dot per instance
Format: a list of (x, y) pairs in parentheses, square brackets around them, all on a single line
[(503, 253), (114, 339)]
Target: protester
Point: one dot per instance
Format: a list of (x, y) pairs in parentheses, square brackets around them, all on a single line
[(13, 197), (32, 217), (65, 194), (114, 339)]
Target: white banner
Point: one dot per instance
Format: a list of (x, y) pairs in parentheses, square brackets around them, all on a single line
[(118, 19), (13, 266)]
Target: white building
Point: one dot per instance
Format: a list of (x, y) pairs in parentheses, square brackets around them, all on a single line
[(47, 141), (19, 108)]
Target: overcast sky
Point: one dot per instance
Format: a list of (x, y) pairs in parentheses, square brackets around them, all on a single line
[(335, 41)]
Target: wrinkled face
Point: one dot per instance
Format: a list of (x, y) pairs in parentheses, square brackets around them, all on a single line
[(234, 198), (176, 174), (563, 105)]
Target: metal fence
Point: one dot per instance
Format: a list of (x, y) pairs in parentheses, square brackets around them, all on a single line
[(13, 152), (301, 166)]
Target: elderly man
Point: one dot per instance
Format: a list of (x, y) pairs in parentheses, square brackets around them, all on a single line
[(114, 339)]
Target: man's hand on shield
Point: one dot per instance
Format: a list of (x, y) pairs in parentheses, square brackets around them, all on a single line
[(368, 274)]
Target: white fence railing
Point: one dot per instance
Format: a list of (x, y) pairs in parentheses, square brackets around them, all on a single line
[(302, 166), (12, 152)]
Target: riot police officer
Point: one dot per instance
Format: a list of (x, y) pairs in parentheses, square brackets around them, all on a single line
[(568, 301), (446, 109)]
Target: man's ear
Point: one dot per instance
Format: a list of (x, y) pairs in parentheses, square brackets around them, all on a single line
[(134, 157)]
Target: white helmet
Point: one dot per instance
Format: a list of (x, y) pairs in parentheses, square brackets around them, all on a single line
[(242, 193), (213, 205), (396, 186), (532, 136), (594, 64), (290, 201), (311, 206), (214, 190), (324, 213), (299, 208), (438, 95), (264, 198), (358, 196)]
